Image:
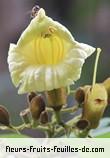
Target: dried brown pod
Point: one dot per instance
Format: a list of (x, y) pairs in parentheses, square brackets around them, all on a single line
[(4, 116), (37, 105), (56, 98), (95, 98), (44, 117), (95, 103)]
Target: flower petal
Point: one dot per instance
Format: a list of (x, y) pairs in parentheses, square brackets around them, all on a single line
[(40, 62), (16, 64), (85, 48)]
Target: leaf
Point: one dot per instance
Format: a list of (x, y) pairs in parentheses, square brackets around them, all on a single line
[(11, 135), (106, 135)]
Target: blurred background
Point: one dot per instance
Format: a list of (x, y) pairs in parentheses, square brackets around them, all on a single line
[(88, 21)]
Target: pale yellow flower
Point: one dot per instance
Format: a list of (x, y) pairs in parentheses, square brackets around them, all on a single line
[(46, 56)]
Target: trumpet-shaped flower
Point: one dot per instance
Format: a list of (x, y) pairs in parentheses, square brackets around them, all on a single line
[(46, 56)]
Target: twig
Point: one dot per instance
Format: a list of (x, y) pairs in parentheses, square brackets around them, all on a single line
[(65, 110), (60, 131)]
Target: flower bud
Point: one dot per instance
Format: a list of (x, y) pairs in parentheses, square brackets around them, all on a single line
[(4, 116), (44, 117), (37, 105), (94, 104), (56, 98), (30, 96), (25, 115)]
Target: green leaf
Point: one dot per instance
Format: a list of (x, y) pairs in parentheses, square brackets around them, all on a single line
[(11, 135), (106, 135)]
